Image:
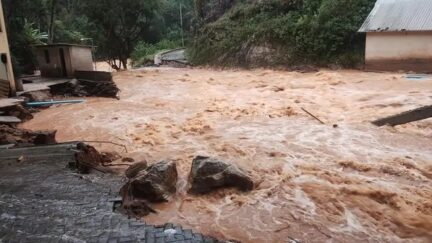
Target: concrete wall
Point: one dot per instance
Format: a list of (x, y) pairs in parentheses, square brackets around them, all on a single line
[(81, 59), (76, 58), (6, 72), (409, 51), (52, 66)]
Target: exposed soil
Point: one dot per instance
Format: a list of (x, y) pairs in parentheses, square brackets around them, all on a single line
[(314, 182)]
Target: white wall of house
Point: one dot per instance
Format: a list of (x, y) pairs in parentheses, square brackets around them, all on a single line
[(81, 58), (401, 50)]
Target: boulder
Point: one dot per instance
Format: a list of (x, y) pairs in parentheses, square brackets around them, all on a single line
[(135, 169), (208, 174), (156, 184)]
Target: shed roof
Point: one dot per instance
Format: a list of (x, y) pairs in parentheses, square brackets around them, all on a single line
[(399, 15), (62, 44)]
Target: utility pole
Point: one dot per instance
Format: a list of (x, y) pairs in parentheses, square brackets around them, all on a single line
[(181, 24)]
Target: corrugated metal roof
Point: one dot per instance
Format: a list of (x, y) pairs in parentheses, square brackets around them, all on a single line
[(399, 15)]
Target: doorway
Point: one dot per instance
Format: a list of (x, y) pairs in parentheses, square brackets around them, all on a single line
[(63, 63)]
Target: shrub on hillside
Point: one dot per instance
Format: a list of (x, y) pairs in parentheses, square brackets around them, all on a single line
[(144, 52), (318, 32)]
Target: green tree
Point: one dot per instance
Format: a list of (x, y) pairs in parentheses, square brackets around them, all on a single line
[(120, 24), (24, 20), (318, 32)]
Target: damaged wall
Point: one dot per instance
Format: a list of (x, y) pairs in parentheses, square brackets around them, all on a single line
[(62, 60), (392, 51)]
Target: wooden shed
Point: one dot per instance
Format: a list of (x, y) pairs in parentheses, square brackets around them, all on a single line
[(62, 60)]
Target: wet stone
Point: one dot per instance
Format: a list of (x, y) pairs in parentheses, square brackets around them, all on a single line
[(208, 174), (135, 169), (156, 184)]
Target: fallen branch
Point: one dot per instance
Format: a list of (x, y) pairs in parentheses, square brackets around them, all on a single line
[(97, 167), (117, 165), (316, 118), (108, 142), (406, 117)]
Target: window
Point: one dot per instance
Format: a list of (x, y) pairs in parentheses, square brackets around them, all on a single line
[(47, 56), (3, 58)]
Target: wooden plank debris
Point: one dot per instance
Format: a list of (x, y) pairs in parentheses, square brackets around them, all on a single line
[(5, 103), (63, 152), (9, 119), (406, 117), (94, 75), (312, 115)]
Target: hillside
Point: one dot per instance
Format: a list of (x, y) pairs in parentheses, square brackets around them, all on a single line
[(279, 32)]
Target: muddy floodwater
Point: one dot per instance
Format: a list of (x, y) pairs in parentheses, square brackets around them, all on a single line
[(314, 182)]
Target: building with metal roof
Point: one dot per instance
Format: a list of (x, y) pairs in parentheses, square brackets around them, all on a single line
[(399, 35)]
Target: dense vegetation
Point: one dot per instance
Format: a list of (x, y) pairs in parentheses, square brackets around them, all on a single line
[(283, 32), (222, 32), (115, 27)]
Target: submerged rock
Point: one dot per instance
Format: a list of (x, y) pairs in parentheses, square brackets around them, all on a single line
[(208, 174), (135, 169), (156, 183)]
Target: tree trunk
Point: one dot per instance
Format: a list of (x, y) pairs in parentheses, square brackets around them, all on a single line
[(199, 5), (124, 62), (51, 23), (421, 113)]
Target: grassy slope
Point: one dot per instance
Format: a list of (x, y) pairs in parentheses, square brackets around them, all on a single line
[(284, 32)]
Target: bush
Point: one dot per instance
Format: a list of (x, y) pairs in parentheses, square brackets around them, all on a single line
[(318, 32), (144, 52)]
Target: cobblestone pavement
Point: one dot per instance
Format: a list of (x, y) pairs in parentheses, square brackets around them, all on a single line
[(47, 202)]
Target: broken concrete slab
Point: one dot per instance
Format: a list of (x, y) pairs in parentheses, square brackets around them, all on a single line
[(85, 88), (5, 103), (9, 120), (406, 117), (63, 152), (37, 96), (94, 75)]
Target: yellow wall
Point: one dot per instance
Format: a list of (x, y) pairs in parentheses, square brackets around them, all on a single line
[(409, 51), (401, 45), (4, 48)]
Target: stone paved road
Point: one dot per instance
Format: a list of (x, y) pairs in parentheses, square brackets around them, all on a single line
[(47, 202)]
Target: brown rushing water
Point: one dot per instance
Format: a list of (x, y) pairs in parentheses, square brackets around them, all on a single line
[(314, 182)]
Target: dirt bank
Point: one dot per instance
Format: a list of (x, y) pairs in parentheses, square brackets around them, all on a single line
[(315, 182)]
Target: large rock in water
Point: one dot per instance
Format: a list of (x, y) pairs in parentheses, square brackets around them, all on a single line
[(208, 174), (135, 169), (157, 183)]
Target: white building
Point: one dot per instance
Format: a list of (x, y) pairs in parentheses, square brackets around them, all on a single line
[(399, 36)]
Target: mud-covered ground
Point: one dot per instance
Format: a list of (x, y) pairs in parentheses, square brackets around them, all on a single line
[(314, 182)]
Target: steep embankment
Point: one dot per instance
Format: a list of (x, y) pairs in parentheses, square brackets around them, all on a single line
[(280, 32)]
